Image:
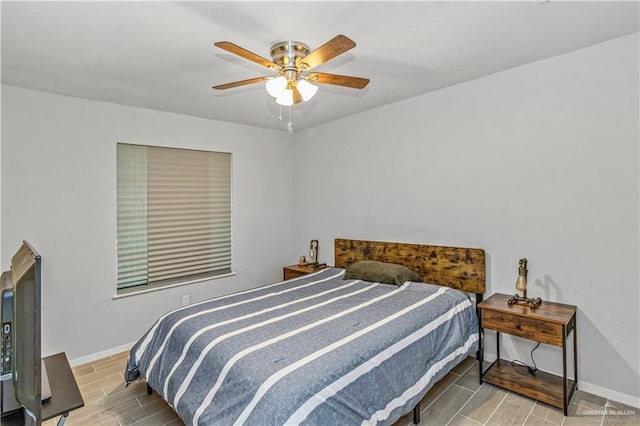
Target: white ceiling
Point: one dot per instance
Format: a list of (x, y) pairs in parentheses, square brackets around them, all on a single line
[(160, 55)]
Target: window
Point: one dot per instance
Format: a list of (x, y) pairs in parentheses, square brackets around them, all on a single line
[(174, 215)]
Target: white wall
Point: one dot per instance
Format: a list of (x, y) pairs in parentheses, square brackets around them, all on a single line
[(539, 161), (59, 192)]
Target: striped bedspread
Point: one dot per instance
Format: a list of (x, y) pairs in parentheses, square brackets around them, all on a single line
[(315, 350)]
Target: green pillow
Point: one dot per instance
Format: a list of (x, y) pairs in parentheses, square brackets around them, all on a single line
[(381, 272)]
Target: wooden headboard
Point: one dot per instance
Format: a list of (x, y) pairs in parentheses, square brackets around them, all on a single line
[(456, 267)]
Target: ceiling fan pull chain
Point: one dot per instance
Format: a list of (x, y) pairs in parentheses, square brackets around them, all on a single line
[(280, 113), (290, 124)]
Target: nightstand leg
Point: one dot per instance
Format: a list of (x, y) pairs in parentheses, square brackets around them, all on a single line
[(480, 354), (564, 370), (575, 351)]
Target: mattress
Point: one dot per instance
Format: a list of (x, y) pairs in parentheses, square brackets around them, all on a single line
[(314, 350)]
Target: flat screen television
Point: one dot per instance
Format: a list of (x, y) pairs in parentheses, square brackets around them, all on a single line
[(26, 270)]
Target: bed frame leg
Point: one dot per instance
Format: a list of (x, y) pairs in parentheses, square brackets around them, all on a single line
[(149, 390), (479, 299), (416, 414)]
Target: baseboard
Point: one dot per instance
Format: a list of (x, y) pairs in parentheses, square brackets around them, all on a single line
[(99, 355), (611, 395)]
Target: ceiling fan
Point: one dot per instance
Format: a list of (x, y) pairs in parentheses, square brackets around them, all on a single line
[(294, 61)]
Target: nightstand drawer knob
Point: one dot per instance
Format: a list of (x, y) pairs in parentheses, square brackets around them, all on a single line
[(518, 326)]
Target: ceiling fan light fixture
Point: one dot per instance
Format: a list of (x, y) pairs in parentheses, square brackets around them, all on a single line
[(280, 88), (276, 87), (286, 98), (306, 89)]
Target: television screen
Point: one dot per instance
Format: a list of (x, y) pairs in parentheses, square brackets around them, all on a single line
[(26, 277)]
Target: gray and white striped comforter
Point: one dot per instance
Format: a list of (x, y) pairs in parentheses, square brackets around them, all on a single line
[(314, 350)]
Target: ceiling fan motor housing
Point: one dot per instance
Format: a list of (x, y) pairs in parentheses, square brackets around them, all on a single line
[(287, 54)]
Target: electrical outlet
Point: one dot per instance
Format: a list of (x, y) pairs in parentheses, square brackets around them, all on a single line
[(185, 300)]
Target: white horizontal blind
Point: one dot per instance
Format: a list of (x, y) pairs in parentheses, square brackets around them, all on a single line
[(132, 215), (189, 213), (188, 223)]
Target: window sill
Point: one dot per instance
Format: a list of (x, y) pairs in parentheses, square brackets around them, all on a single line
[(156, 287)]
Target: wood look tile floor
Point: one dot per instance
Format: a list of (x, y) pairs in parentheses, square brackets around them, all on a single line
[(457, 399)]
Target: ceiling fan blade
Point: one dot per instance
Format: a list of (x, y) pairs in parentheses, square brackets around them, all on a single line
[(338, 80), (237, 50), (297, 96), (240, 83), (334, 47)]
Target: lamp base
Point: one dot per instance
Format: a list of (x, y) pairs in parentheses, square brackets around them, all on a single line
[(533, 302)]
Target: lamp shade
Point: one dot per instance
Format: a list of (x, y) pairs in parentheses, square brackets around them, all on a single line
[(306, 89), (286, 98), (276, 86)]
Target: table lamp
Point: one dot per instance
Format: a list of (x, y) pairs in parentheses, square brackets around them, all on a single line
[(521, 285)]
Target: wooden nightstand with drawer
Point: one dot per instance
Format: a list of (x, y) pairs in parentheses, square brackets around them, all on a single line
[(549, 323), (295, 271)]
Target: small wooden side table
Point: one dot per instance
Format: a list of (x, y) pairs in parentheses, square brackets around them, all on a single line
[(295, 271), (549, 323)]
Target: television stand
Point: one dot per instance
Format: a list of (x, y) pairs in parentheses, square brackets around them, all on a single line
[(65, 395)]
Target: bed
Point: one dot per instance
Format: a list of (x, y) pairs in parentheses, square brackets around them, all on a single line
[(319, 349)]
